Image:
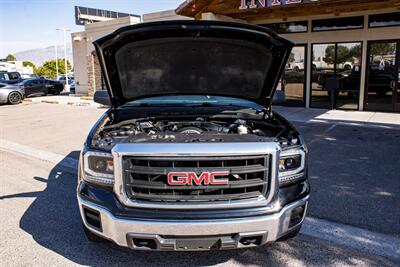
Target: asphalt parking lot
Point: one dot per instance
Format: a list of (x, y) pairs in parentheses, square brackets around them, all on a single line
[(354, 172), (355, 175)]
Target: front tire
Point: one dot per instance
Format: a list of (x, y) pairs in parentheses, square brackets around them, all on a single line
[(92, 237), (14, 98)]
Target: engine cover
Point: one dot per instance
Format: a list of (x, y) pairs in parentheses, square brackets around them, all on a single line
[(190, 130)]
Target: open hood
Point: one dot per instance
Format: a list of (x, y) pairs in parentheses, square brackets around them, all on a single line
[(192, 58)]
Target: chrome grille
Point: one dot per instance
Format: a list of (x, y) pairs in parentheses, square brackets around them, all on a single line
[(145, 178)]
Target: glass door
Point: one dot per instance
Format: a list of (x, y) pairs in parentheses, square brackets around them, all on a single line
[(382, 88), (336, 75), (396, 84), (294, 78)]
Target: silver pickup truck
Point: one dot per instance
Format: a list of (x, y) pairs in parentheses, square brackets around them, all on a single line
[(190, 155)]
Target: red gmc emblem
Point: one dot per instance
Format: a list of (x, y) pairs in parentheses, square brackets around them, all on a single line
[(191, 178)]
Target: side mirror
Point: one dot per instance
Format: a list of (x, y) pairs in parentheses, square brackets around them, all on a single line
[(279, 97), (102, 97)]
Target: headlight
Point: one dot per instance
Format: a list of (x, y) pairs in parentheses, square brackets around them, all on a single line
[(98, 168), (291, 166)]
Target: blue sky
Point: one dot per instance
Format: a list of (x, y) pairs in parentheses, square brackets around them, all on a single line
[(29, 24)]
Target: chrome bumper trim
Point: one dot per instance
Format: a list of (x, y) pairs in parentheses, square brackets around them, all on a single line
[(118, 229)]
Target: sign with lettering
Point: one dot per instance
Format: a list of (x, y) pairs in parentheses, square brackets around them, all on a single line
[(245, 4)]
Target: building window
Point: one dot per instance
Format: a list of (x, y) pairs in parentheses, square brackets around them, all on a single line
[(338, 24), (384, 20), (336, 75), (288, 27)]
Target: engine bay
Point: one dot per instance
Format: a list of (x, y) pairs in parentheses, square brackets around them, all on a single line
[(186, 130)]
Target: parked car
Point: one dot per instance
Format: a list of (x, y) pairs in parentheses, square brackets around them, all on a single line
[(62, 79), (10, 77), (72, 87), (322, 65), (54, 87), (35, 87), (382, 76), (11, 93), (380, 79), (295, 66), (190, 155)]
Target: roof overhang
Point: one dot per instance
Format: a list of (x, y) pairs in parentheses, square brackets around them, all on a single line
[(279, 9)]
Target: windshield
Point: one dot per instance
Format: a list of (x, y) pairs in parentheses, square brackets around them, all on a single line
[(194, 100)]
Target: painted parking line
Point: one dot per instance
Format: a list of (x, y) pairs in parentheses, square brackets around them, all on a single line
[(340, 234)]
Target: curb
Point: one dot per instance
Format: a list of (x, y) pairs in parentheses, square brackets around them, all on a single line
[(85, 103)]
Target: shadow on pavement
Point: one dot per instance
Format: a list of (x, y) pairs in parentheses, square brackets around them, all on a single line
[(53, 220), (355, 170)]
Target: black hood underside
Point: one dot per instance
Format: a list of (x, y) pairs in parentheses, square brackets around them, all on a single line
[(192, 58)]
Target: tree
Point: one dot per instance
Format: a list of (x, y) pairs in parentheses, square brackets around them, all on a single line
[(48, 69), (344, 54), (355, 51), (383, 49), (330, 54), (11, 57), (291, 58), (29, 64)]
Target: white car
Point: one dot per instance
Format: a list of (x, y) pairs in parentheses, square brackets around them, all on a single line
[(296, 66), (322, 65)]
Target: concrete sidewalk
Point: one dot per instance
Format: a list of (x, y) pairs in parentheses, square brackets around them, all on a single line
[(64, 100), (324, 115)]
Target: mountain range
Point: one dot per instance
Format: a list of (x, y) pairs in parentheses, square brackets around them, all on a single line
[(38, 56)]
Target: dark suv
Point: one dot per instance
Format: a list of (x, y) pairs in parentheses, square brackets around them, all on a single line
[(10, 77)]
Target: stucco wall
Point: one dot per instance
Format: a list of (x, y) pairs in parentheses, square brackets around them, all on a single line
[(163, 15), (79, 56)]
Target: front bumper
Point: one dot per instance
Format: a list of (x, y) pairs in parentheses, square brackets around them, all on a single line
[(229, 233)]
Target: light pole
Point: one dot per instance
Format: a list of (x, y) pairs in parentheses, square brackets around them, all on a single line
[(65, 58), (55, 48)]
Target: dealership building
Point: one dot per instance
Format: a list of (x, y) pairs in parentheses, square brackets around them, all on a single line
[(346, 54)]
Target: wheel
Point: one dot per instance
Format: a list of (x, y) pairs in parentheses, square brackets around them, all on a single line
[(290, 235), (14, 98), (92, 236), (55, 92), (347, 67), (296, 69)]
